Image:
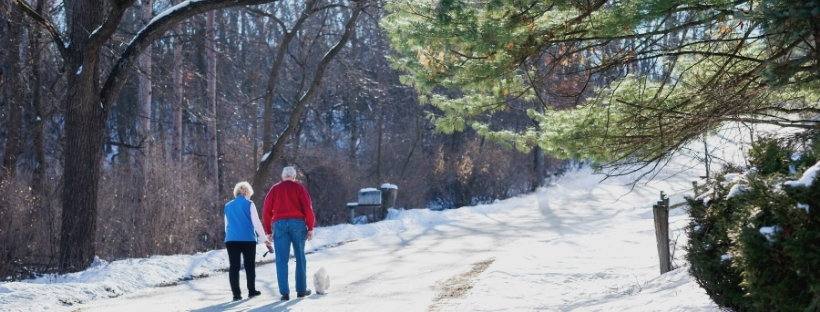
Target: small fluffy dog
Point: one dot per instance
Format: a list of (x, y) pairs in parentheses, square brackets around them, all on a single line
[(321, 281)]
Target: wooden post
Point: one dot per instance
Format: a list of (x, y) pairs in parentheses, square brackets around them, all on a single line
[(661, 214)]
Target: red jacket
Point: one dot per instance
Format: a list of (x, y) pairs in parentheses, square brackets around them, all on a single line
[(287, 199)]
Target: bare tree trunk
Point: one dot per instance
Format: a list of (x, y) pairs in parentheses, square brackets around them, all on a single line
[(354, 127), (38, 179), (353, 110), (210, 58), (177, 105), (7, 74), (260, 25), (379, 147), (380, 104), (39, 184), (85, 118), (144, 100), (143, 120), (79, 218), (14, 95), (84, 133), (179, 97)]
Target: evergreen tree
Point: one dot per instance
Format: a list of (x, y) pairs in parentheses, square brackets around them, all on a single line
[(656, 74)]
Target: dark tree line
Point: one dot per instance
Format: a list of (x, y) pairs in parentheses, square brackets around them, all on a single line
[(123, 130)]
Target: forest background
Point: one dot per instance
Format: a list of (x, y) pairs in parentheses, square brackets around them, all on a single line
[(208, 103)]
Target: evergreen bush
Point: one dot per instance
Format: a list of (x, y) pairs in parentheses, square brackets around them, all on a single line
[(754, 239), (768, 157), (709, 247)]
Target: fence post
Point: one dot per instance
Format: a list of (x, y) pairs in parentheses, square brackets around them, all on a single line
[(661, 213)]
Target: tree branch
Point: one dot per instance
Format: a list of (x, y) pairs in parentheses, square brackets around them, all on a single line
[(299, 106), (802, 124), (106, 30), (45, 23), (151, 32)]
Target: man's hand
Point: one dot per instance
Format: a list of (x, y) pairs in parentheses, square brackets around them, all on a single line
[(310, 235)]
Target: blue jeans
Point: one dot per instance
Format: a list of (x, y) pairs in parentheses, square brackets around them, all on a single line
[(287, 232)]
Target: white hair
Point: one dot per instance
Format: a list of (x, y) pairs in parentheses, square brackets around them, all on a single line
[(243, 188), (288, 173)]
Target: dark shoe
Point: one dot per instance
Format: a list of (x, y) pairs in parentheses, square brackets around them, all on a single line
[(300, 294), (285, 297), (237, 298), (253, 293)]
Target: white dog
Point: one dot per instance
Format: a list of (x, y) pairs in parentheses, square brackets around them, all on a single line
[(321, 281)]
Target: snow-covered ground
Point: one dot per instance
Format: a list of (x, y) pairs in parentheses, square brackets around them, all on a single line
[(581, 244)]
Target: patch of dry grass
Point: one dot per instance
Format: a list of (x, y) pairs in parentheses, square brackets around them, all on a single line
[(457, 286)]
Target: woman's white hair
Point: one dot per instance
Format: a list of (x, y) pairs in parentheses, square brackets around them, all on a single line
[(243, 188), (288, 173)]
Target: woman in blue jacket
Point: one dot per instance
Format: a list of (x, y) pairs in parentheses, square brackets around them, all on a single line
[(242, 229)]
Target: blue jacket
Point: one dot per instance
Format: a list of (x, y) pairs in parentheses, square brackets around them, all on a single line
[(238, 224)]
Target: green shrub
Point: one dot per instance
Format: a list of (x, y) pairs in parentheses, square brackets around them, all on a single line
[(755, 246), (768, 157), (709, 248), (771, 248)]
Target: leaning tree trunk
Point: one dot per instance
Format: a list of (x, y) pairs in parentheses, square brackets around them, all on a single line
[(261, 177), (273, 77)]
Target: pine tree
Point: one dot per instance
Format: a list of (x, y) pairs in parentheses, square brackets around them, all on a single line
[(656, 74)]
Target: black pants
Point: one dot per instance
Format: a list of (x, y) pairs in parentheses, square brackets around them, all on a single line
[(248, 252)]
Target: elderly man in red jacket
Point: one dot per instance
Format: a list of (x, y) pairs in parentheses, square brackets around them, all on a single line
[(288, 211)]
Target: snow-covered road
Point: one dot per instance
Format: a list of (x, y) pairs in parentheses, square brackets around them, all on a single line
[(579, 245)]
